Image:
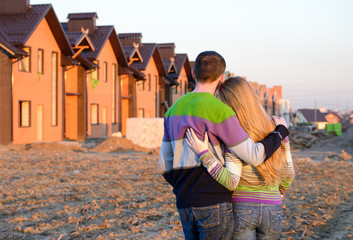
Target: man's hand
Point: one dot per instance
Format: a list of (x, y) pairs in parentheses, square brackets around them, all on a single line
[(279, 121)]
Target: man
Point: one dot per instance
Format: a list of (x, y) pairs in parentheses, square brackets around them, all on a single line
[(204, 205)]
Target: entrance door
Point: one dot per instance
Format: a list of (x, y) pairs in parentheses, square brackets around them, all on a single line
[(124, 115), (124, 103), (40, 122), (69, 121)]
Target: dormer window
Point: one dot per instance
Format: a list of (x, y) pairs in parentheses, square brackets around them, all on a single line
[(135, 55)]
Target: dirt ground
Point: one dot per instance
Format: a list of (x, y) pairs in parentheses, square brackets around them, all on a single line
[(112, 189)]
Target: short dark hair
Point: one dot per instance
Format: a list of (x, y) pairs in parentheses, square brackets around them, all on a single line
[(209, 65)]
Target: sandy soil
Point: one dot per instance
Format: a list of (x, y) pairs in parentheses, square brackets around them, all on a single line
[(113, 190)]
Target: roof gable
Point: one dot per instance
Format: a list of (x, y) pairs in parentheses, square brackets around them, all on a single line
[(146, 51), (99, 38), (133, 54)]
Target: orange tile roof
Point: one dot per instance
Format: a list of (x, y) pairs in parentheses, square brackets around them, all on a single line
[(11, 50), (19, 27)]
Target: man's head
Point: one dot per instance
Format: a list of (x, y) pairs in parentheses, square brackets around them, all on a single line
[(209, 66)]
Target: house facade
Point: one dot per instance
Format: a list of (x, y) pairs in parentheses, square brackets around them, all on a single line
[(37, 76), (332, 117), (143, 94), (8, 53), (97, 84), (179, 70)]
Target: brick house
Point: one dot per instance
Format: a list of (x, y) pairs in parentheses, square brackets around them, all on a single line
[(94, 86), (332, 117), (33, 64), (315, 116), (76, 85), (144, 93), (179, 69)]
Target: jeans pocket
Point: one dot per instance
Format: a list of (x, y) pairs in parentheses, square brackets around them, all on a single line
[(241, 219), (276, 221), (207, 217)]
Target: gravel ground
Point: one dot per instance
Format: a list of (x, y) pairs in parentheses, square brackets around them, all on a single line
[(115, 191)]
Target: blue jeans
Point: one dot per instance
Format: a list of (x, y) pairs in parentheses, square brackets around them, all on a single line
[(211, 222), (257, 220)]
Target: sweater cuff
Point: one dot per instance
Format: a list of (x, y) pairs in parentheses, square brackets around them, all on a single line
[(282, 130), (202, 153)]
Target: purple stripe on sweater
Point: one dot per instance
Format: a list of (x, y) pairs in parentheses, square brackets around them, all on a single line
[(257, 194), (278, 201), (229, 131), (215, 170)]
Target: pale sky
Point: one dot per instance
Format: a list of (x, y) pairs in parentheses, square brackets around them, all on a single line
[(306, 46)]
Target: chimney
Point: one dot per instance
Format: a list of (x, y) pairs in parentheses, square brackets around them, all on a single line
[(77, 21), (167, 50), (128, 39), (14, 6)]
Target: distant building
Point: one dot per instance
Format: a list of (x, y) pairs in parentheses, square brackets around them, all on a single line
[(332, 117), (269, 97), (304, 116), (284, 111)]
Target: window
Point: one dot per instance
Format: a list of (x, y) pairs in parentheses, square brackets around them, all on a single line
[(40, 61), (185, 87), (149, 82), (114, 71), (25, 113), (175, 89), (141, 113), (105, 72), (141, 85), (95, 72), (94, 114), (54, 89), (24, 65)]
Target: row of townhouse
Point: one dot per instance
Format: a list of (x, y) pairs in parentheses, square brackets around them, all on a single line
[(77, 80), (269, 97)]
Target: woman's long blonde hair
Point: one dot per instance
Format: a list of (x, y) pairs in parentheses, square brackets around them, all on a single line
[(237, 93)]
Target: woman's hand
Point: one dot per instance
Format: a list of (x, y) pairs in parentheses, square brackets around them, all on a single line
[(194, 143)]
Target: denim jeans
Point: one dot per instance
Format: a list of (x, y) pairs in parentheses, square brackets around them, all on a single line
[(211, 222), (257, 220)]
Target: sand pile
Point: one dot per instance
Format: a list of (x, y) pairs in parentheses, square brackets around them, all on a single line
[(54, 146), (118, 144)]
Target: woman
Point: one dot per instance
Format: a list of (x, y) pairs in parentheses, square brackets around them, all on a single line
[(258, 190)]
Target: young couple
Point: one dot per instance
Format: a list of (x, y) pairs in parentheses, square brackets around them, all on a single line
[(230, 185)]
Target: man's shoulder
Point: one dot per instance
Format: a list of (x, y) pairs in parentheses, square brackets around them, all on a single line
[(203, 105)]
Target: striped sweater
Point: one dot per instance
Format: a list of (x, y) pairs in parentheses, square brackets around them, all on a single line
[(180, 166), (245, 180)]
